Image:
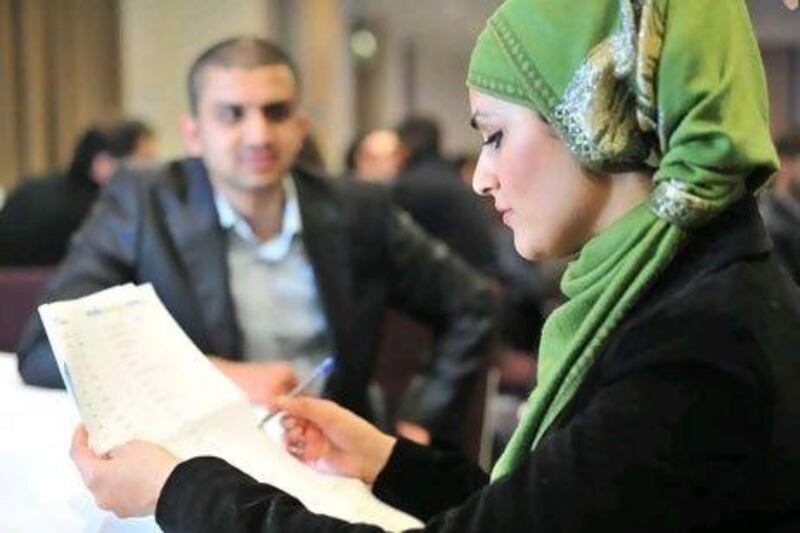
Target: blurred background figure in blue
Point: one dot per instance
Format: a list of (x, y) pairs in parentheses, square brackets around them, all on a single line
[(42, 213)]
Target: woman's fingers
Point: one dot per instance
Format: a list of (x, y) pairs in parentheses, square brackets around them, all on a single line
[(320, 412)]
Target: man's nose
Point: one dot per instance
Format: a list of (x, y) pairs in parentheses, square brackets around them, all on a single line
[(257, 129)]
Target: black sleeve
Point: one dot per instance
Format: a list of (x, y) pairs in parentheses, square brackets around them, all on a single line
[(433, 285), (667, 449), (206, 494), (101, 255), (440, 480)]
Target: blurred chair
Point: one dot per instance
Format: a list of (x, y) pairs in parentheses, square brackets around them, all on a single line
[(19, 292), (405, 346)]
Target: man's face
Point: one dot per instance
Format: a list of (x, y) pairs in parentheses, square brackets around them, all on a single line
[(378, 157), (248, 128), (793, 171)]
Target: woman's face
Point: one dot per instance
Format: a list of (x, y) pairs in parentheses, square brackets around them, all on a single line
[(550, 202)]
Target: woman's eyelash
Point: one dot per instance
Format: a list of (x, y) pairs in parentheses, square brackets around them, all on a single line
[(494, 140)]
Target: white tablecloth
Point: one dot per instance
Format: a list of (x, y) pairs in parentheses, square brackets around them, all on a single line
[(40, 488)]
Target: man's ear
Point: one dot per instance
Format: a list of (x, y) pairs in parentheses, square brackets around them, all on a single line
[(303, 121), (190, 131)]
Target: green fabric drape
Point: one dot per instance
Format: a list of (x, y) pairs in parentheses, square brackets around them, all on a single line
[(674, 86)]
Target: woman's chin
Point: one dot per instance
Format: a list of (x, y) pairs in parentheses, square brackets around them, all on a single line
[(542, 251), (530, 251)]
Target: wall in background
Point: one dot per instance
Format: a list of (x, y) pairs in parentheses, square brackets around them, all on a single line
[(160, 39), (59, 72), (316, 34), (423, 50), (778, 31)]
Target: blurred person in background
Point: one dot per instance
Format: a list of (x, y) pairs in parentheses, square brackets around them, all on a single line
[(137, 141), (780, 205), (41, 215), (310, 154), (376, 157), (430, 188)]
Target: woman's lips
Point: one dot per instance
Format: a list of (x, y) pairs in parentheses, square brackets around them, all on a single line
[(505, 214)]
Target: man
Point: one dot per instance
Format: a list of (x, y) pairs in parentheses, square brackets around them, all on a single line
[(267, 267), (427, 182), (376, 157), (781, 206)]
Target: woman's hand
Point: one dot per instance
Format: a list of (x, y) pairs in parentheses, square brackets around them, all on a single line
[(128, 479), (332, 439)]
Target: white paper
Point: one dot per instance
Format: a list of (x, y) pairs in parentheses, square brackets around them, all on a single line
[(136, 375)]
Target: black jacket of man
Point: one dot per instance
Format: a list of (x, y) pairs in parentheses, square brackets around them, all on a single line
[(161, 227)]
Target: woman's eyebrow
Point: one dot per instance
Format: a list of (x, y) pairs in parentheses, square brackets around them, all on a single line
[(473, 120)]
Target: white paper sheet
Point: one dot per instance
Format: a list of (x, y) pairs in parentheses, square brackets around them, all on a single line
[(136, 375)]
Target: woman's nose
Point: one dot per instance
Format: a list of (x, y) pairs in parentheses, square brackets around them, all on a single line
[(484, 180)]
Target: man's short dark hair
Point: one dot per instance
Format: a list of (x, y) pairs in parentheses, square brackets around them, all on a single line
[(420, 136), (129, 133), (237, 52), (788, 144)]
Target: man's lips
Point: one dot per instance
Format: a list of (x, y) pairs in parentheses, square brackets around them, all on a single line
[(258, 160)]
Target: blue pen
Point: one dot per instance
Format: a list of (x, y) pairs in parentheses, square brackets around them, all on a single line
[(323, 370)]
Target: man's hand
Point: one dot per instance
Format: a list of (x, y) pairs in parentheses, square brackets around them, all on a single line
[(261, 382), (413, 432), (128, 479), (332, 439)]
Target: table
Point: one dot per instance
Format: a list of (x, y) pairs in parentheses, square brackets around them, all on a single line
[(40, 488)]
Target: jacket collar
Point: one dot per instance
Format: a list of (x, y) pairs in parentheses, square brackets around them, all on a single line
[(200, 242), (194, 224), (329, 248)]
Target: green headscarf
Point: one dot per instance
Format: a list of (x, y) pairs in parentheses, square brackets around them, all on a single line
[(676, 86)]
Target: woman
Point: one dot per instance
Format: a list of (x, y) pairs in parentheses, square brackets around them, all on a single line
[(42, 214), (634, 133)]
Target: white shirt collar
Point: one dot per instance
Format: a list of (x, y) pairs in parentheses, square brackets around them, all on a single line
[(277, 247)]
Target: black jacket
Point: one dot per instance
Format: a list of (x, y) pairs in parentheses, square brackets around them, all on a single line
[(689, 420), (161, 227), (39, 218), (431, 191)]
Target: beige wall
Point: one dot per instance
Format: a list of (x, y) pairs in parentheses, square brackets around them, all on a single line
[(159, 40), (58, 74), (319, 44), (438, 36)]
